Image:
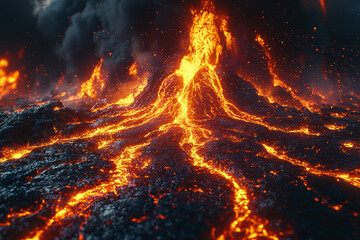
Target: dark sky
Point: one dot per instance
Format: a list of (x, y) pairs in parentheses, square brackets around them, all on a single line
[(69, 36)]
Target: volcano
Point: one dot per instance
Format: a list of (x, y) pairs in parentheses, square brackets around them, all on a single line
[(194, 151)]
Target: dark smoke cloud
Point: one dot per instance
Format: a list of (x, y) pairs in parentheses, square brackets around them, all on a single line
[(56, 17), (88, 30), (77, 45), (70, 36)]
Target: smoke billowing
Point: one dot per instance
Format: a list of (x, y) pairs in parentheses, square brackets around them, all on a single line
[(312, 47)]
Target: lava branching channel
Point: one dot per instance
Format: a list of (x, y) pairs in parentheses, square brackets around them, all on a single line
[(197, 154)]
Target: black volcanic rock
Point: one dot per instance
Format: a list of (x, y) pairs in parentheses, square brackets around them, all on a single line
[(168, 195), (37, 124)]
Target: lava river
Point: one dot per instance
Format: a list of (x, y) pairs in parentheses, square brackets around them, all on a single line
[(196, 153)]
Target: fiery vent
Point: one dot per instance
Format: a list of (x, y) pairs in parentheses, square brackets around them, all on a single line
[(8, 81), (93, 87), (192, 148)]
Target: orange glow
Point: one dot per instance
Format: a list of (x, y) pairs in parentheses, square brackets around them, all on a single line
[(129, 91), (336, 207), (16, 153), (323, 6), (14, 215), (338, 115), (79, 203), (304, 130), (353, 179), (11, 217), (227, 34), (8, 81), (139, 220), (92, 87), (277, 82), (349, 144), (335, 127), (204, 52), (131, 97), (133, 69)]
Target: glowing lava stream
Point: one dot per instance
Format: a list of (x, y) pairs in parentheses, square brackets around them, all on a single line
[(276, 79), (204, 53), (353, 180), (79, 204), (94, 85)]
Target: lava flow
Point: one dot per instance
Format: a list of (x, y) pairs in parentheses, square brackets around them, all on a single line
[(193, 152)]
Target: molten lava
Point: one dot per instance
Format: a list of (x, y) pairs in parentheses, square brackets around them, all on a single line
[(93, 87), (133, 69), (8, 81), (277, 82)]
